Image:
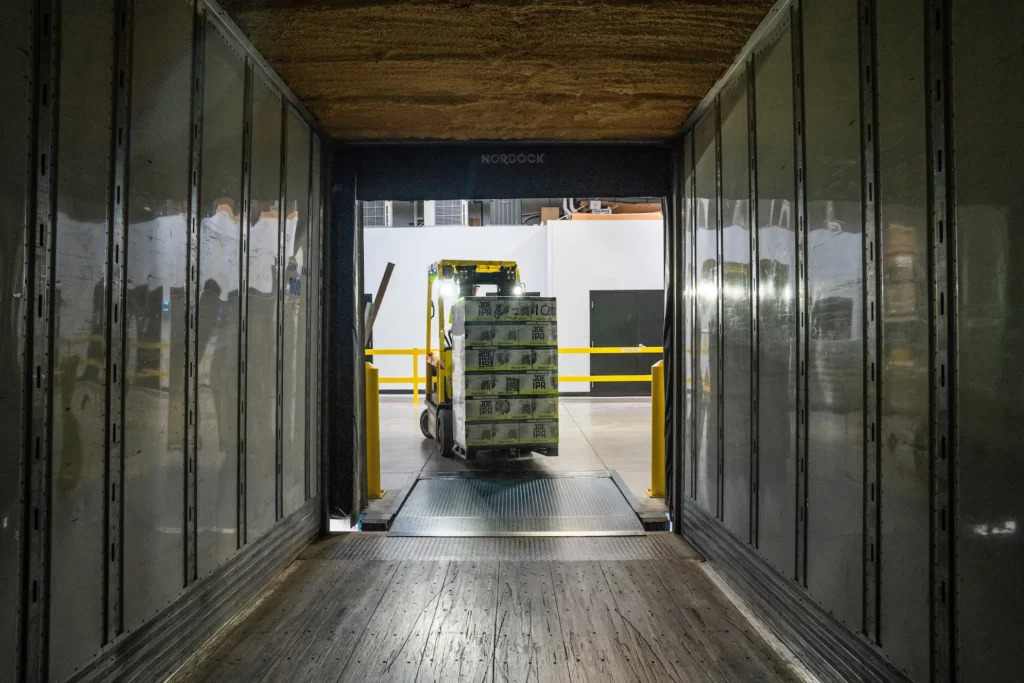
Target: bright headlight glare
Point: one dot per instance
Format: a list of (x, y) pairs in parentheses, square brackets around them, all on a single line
[(518, 290), (448, 288)]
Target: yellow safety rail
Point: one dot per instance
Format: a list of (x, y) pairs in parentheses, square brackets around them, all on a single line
[(657, 489), (415, 380)]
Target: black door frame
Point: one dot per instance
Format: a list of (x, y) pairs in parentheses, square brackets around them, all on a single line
[(486, 170)]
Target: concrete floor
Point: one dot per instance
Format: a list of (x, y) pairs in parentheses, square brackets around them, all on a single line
[(594, 435)]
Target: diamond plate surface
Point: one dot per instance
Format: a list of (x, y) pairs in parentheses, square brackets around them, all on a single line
[(657, 546), (516, 506)]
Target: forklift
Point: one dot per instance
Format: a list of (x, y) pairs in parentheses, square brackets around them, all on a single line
[(455, 279)]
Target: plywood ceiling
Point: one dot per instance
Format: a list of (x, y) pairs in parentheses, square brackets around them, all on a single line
[(499, 69)]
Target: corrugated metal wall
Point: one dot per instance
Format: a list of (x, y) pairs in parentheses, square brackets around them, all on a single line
[(854, 328), (161, 228)]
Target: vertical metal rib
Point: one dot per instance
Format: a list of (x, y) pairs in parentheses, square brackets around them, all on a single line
[(755, 299), (192, 343), (942, 309), (282, 214), (720, 323), (695, 344), (243, 302), (117, 248), (872, 317), (800, 164), (307, 295), (38, 369)]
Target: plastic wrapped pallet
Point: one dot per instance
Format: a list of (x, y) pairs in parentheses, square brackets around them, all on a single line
[(509, 334), (505, 375), (531, 383), (494, 309)]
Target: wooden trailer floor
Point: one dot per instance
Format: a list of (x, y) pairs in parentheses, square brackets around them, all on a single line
[(368, 607)]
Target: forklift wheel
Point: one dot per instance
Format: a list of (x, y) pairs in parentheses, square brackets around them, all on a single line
[(445, 435), (424, 421)]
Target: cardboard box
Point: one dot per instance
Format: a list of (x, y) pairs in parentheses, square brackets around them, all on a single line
[(510, 334), (502, 359), (494, 309), (500, 408), (538, 433), (491, 435), (549, 213), (511, 384), (511, 434)]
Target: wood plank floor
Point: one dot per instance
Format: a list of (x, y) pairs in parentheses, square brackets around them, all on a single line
[(362, 610)]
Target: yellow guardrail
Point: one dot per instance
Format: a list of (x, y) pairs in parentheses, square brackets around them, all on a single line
[(656, 378), (415, 380)]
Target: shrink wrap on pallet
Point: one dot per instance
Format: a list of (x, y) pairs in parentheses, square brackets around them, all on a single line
[(492, 309), (532, 383), (505, 375)]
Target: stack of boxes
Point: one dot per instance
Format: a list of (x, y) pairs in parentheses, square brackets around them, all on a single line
[(505, 375)]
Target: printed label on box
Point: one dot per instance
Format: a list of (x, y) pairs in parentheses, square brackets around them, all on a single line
[(539, 433), (492, 434), (498, 408), (500, 359), (517, 308)]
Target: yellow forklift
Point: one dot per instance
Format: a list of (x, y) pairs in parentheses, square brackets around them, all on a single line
[(455, 280)]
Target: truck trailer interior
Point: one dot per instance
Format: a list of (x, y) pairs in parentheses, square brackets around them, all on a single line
[(184, 417)]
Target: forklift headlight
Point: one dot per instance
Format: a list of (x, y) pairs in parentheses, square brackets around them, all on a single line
[(518, 290), (448, 288)]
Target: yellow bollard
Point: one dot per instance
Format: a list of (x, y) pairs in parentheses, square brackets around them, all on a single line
[(373, 489), (657, 489), (415, 377)]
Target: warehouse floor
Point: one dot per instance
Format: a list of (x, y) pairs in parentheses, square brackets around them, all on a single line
[(594, 435)]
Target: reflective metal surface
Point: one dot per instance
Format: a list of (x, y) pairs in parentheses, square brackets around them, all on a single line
[(516, 506), (79, 379), (690, 292), (835, 382), (314, 324), (706, 321), (154, 376), (988, 91), (15, 82), (219, 254), (261, 356), (904, 358), (736, 308), (777, 305), (296, 297)]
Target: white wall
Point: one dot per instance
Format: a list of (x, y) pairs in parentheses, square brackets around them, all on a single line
[(566, 259), (598, 255)]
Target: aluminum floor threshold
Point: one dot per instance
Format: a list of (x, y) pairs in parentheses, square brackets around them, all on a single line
[(516, 506)]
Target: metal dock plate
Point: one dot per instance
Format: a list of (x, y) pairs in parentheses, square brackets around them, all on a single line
[(516, 506)]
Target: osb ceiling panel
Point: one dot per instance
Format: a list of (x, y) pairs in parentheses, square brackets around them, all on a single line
[(499, 69)]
